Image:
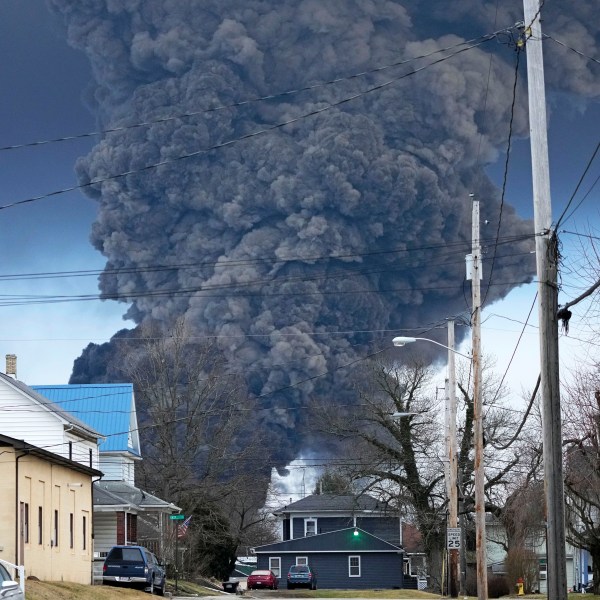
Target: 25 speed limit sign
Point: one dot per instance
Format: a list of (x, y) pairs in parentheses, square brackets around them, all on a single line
[(453, 537)]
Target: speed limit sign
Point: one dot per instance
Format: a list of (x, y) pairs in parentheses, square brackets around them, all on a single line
[(453, 537)]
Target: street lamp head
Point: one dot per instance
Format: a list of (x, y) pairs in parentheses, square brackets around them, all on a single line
[(402, 341), (399, 415)]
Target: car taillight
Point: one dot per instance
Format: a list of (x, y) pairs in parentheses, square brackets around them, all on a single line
[(104, 568), (145, 570), (289, 576), (310, 575)]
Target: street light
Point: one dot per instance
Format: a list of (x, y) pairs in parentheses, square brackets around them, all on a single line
[(402, 341), (399, 415), (451, 471)]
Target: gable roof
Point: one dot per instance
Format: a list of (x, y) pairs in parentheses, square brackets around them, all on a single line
[(30, 449), (333, 503), (112, 494), (107, 407), (342, 540), (79, 427)]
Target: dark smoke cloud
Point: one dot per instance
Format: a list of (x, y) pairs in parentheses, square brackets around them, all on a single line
[(389, 171)]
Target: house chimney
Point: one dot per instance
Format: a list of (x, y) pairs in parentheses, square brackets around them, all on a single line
[(11, 365)]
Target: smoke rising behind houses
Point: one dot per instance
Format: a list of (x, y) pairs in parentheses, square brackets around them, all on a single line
[(301, 249)]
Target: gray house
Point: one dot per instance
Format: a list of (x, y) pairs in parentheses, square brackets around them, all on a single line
[(351, 542)]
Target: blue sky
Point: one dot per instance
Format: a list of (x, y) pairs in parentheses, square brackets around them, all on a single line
[(45, 81)]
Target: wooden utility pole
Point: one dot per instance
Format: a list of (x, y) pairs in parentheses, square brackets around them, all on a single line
[(480, 536), (452, 460), (546, 262)]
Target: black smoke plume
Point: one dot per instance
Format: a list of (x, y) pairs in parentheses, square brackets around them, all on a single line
[(309, 247)]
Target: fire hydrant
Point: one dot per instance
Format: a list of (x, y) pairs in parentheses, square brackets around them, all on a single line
[(520, 591)]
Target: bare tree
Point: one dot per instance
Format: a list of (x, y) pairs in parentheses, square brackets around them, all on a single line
[(582, 467), (402, 459), (200, 449)]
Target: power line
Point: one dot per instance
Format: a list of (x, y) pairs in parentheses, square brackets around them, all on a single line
[(196, 291), (587, 168), (247, 136), (545, 36), (246, 102), (505, 175), (248, 261)]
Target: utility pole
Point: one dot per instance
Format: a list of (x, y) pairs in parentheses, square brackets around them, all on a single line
[(546, 262), (452, 461), (481, 551), (463, 550)]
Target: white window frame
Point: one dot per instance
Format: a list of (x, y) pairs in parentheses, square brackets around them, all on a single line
[(306, 522), (351, 566), (302, 560), (273, 561)]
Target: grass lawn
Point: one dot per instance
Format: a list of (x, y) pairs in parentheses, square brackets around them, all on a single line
[(37, 590)]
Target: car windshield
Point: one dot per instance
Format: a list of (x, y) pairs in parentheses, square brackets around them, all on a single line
[(259, 573), (299, 569), (4, 574)]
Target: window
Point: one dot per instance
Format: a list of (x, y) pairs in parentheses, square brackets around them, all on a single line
[(354, 566), (25, 522), (71, 531), (55, 528), (310, 527), (40, 525), (84, 531), (301, 560), (275, 565)]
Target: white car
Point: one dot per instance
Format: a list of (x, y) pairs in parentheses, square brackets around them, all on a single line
[(9, 589)]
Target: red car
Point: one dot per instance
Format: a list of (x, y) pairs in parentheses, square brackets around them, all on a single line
[(262, 579)]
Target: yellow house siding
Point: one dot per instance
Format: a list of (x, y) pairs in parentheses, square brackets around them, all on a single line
[(33, 484), (7, 504), (60, 492)]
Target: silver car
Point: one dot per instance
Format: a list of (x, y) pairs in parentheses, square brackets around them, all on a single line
[(9, 589)]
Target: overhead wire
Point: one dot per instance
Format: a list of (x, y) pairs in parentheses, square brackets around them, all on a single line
[(196, 291), (240, 103), (505, 175), (582, 54), (222, 264), (257, 133), (579, 183)]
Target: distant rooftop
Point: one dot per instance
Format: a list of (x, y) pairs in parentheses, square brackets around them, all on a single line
[(119, 493), (84, 426), (333, 502)]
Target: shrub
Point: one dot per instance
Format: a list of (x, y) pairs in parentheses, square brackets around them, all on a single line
[(497, 586)]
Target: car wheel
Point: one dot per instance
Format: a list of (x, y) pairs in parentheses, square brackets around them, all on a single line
[(160, 591), (314, 586), (290, 586), (150, 589)]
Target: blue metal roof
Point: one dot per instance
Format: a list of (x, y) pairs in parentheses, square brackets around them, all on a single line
[(108, 408)]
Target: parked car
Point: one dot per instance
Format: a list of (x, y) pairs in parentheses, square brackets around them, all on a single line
[(134, 566), (262, 579), (301, 576), (9, 589)]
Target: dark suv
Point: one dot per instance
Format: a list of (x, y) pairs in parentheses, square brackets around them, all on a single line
[(134, 566), (301, 576)]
